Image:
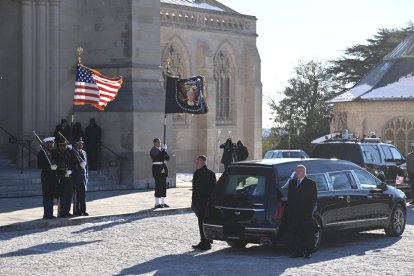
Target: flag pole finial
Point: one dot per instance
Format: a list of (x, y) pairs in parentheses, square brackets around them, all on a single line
[(80, 51)]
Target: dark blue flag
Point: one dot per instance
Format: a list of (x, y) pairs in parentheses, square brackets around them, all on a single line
[(185, 95)]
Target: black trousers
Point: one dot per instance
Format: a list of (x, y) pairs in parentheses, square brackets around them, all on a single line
[(160, 186), (79, 200), (200, 227), (304, 235), (411, 181), (47, 206)]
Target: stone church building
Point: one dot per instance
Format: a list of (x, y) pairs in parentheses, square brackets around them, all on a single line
[(383, 101), (140, 40)]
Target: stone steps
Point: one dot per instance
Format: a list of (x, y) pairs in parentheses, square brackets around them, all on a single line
[(16, 184), (6, 162)]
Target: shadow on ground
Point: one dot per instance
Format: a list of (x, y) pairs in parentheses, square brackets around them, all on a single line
[(45, 248), (253, 259)]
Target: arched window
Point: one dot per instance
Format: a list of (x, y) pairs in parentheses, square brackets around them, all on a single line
[(223, 74), (173, 64), (400, 132)]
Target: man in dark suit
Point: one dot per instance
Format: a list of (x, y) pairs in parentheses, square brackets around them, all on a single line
[(62, 128), (159, 155), (302, 196), (204, 181)]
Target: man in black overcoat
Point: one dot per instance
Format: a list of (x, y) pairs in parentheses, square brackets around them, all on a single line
[(204, 181), (62, 128), (302, 196), (48, 177), (159, 156)]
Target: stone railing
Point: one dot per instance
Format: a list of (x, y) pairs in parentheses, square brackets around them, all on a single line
[(172, 15)]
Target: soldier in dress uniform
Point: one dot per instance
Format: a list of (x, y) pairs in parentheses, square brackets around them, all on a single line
[(80, 178), (49, 179), (159, 155), (64, 162)]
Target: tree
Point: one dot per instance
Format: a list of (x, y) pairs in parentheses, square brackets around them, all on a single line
[(359, 59), (303, 114)]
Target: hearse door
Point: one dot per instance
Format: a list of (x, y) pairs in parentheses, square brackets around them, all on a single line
[(345, 193), (375, 203)]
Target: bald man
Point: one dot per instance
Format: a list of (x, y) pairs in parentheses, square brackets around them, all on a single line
[(301, 204)]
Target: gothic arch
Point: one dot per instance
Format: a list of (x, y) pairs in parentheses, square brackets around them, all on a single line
[(175, 62), (224, 73), (175, 59), (400, 131)]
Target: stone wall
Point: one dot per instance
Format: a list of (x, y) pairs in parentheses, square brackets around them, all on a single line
[(363, 117), (197, 37)]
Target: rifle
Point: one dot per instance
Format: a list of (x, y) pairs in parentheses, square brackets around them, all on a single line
[(78, 157), (52, 164)]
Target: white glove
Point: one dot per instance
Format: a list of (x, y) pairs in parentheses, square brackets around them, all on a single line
[(53, 167), (68, 172), (165, 147), (83, 165), (69, 147)]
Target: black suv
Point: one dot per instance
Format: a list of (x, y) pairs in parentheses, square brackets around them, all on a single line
[(248, 202), (381, 159)]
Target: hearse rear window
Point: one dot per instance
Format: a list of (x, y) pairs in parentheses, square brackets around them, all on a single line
[(250, 185)]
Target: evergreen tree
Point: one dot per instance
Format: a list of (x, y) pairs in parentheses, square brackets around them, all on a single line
[(359, 59), (303, 114)]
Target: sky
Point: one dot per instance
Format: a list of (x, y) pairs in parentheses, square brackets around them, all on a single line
[(300, 30)]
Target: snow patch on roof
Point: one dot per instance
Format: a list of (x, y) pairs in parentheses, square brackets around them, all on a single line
[(193, 4), (351, 94), (401, 89)]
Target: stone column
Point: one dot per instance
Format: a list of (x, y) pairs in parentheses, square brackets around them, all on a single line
[(54, 12), (41, 62), (27, 67)]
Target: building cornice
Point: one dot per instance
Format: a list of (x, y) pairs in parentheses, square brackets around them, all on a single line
[(216, 21)]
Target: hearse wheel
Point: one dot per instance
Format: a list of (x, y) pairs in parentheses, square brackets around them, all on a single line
[(237, 244), (396, 224)]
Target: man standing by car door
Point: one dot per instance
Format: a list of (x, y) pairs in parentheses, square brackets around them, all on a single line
[(410, 170), (302, 195), (204, 181)]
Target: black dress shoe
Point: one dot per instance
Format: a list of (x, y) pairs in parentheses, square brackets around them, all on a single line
[(202, 246), (77, 214), (85, 214), (166, 205), (49, 217), (158, 206), (297, 255)]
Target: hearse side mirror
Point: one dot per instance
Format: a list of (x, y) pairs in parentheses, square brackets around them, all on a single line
[(382, 186)]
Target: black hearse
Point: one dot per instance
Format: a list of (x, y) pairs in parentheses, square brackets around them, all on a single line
[(247, 204)]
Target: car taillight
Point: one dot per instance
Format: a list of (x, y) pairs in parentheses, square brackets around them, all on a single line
[(280, 209)]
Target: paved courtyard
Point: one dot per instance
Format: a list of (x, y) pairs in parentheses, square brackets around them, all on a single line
[(161, 245)]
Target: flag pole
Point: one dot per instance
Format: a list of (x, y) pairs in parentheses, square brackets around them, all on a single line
[(166, 74), (72, 119)]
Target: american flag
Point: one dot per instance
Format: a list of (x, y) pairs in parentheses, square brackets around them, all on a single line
[(91, 87)]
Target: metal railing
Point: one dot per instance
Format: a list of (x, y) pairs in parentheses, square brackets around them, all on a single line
[(119, 158), (24, 144)]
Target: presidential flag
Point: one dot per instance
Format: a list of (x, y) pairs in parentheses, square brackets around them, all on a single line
[(91, 87), (185, 95)]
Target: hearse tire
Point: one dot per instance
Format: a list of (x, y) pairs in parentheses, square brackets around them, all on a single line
[(396, 224)]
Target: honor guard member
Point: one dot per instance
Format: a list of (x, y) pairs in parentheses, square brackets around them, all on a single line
[(80, 178), (160, 172), (49, 178), (64, 162)]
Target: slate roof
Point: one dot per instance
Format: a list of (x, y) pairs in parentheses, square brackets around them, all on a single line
[(391, 79)]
